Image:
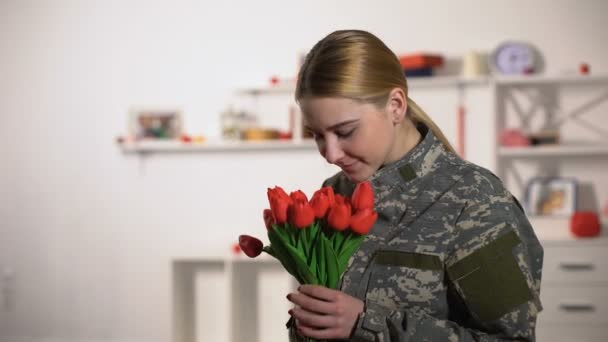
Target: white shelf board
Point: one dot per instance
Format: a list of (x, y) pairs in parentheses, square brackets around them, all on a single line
[(289, 86), (445, 81), (263, 258), (227, 146), (533, 80), (555, 150)]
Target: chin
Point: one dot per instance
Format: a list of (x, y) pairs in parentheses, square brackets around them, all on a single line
[(357, 176)]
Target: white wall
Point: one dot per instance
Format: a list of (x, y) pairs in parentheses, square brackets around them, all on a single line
[(87, 233)]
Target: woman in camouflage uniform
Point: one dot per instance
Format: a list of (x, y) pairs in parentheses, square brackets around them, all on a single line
[(452, 256)]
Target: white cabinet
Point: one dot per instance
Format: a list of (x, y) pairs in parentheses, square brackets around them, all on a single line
[(224, 299), (574, 290)]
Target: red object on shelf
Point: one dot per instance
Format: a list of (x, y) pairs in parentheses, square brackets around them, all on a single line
[(285, 135), (274, 80), (585, 224), (185, 138), (513, 138), (420, 61), (584, 68)]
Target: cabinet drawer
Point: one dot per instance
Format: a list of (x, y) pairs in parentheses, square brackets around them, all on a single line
[(575, 265), (574, 305), (570, 333)]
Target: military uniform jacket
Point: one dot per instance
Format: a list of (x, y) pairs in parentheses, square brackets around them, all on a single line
[(452, 256)]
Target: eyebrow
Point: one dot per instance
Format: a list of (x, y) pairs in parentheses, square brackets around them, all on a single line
[(338, 125)]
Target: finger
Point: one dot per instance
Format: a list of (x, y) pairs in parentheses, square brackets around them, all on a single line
[(312, 319), (319, 334), (319, 292), (310, 303)]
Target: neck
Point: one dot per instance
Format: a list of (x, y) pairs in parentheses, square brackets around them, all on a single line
[(407, 138)]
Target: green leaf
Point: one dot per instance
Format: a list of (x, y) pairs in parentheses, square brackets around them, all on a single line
[(337, 240), (311, 255), (298, 260), (333, 269), (312, 260), (281, 253), (321, 270), (348, 248), (302, 242), (302, 267)]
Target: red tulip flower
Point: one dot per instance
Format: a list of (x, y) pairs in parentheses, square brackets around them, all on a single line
[(363, 221), (301, 214), (279, 204), (298, 195), (320, 203), (339, 215), (269, 218), (329, 192), (250, 245), (363, 196)]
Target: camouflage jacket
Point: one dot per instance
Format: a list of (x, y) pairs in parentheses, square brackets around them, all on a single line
[(452, 256)]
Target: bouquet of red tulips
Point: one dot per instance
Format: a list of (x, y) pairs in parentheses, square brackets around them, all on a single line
[(314, 239)]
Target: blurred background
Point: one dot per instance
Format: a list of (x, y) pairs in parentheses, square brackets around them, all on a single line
[(117, 228)]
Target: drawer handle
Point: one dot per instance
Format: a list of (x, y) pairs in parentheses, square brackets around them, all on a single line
[(576, 266), (573, 307)]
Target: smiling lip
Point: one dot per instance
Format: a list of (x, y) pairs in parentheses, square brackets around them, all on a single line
[(349, 167)]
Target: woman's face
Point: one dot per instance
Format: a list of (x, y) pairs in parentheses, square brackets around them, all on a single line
[(357, 137)]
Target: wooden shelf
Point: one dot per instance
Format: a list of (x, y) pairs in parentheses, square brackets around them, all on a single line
[(165, 146), (555, 150)]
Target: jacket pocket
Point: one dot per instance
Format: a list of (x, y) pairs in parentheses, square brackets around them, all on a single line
[(490, 280)]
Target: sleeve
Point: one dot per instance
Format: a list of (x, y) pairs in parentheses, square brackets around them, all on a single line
[(493, 272)]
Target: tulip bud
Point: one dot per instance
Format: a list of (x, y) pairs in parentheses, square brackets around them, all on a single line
[(277, 191), (301, 214), (329, 192), (363, 221), (298, 195), (279, 204), (251, 246), (339, 215), (269, 220), (320, 204), (363, 196)]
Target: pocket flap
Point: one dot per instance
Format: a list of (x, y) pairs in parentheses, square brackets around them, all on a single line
[(408, 259)]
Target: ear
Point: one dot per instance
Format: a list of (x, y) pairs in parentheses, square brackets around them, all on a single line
[(396, 106)]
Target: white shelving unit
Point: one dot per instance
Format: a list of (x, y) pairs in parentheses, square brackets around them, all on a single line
[(570, 150), (172, 146), (574, 290), (574, 106)]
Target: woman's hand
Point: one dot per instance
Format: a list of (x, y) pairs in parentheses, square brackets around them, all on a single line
[(324, 313)]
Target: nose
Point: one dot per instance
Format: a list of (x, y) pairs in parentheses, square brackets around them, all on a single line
[(332, 151)]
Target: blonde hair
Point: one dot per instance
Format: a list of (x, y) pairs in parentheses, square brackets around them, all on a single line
[(357, 65)]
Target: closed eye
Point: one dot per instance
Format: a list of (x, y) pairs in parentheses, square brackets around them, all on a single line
[(344, 135)]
